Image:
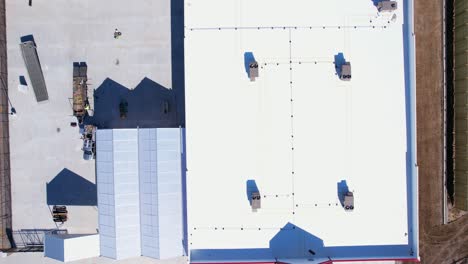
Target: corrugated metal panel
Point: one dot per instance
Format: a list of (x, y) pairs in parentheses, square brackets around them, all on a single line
[(139, 185), (460, 104), (169, 192), (161, 192), (31, 60), (118, 193), (149, 193), (105, 189), (126, 188)]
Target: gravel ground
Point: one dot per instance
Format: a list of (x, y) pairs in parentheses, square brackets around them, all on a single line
[(439, 243)]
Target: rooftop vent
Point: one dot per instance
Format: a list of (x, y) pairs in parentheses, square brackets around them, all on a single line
[(387, 6), (348, 203), (255, 201), (253, 195), (253, 70), (345, 73)]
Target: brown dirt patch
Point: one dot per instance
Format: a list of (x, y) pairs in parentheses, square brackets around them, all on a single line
[(439, 244)]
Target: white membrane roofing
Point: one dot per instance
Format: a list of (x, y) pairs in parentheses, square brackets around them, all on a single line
[(298, 131)]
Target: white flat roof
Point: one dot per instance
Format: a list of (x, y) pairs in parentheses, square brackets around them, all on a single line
[(297, 130)]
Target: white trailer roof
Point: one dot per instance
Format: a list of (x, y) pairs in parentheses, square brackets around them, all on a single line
[(140, 192), (300, 132)]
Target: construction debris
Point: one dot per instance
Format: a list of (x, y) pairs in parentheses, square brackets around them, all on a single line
[(80, 91)]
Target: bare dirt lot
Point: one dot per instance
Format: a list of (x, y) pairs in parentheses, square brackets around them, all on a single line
[(438, 243)]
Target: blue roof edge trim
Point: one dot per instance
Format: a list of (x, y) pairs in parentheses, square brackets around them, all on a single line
[(412, 167), (344, 253), (183, 150)]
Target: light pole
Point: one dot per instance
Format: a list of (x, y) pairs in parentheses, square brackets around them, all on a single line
[(12, 109)]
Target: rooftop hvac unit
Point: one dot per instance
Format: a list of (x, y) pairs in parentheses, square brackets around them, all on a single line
[(253, 70), (255, 201), (345, 73), (387, 6), (348, 203)]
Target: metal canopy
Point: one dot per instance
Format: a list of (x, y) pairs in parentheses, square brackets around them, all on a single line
[(140, 192)]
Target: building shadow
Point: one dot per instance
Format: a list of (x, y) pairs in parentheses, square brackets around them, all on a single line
[(149, 105), (107, 98), (248, 58), (152, 105), (339, 61), (69, 188), (28, 38), (294, 242), (177, 58), (30, 240), (9, 234), (251, 187), (376, 2), (342, 189), (22, 80), (178, 88)]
